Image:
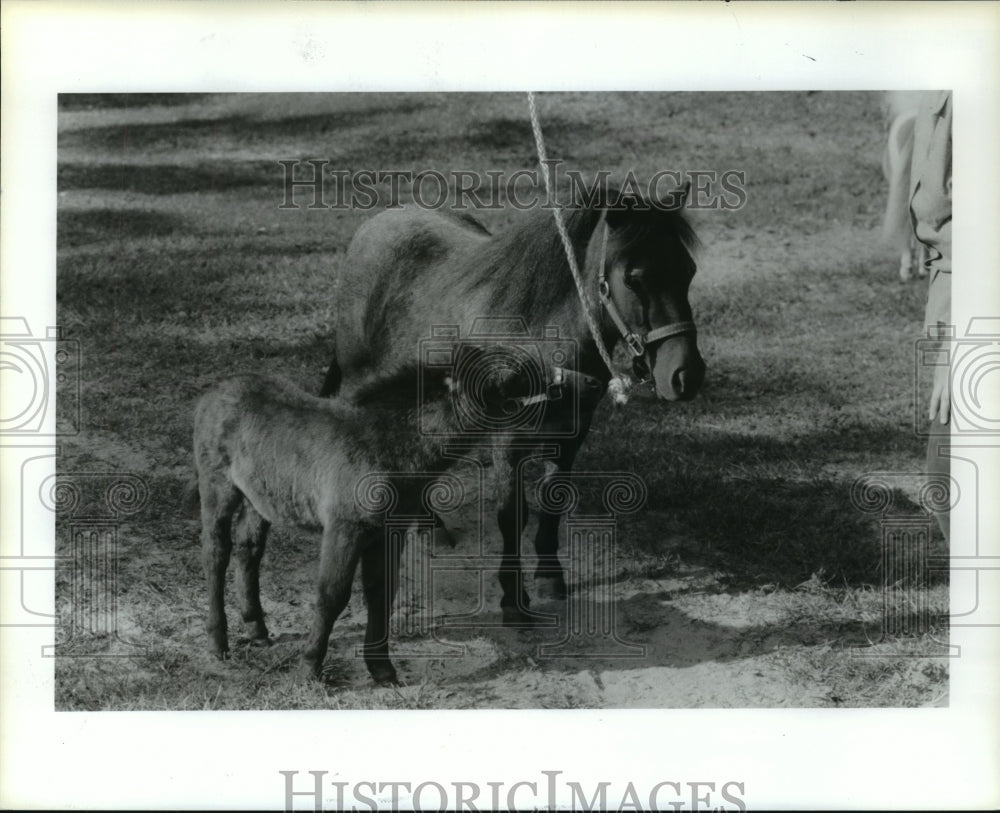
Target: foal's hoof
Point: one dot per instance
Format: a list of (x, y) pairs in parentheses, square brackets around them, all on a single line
[(551, 588), (310, 670), (384, 675), (218, 641), (256, 633)]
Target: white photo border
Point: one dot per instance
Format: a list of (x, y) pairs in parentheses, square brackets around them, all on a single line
[(873, 758)]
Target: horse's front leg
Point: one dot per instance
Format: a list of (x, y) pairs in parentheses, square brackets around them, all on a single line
[(219, 501), (341, 548), (512, 516), (550, 579)]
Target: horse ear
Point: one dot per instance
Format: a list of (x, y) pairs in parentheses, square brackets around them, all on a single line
[(683, 191), (620, 210), (677, 198), (616, 217)]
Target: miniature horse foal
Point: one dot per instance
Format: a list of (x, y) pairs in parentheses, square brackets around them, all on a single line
[(267, 452)]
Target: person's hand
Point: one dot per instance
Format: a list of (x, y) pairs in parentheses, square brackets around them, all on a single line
[(940, 405)]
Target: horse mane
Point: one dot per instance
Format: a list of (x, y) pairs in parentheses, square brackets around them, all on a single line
[(520, 270), (526, 264), (644, 222)]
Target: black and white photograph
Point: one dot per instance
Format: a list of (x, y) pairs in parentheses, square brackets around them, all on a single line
[(555, 410), (673, 510)]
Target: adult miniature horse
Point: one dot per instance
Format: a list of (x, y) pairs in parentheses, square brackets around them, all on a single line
[(410, 269)]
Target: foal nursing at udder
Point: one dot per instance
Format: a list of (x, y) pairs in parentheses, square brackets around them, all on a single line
[(266, 452)]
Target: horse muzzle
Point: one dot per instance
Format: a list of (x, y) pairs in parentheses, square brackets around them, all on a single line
[(678, 371)]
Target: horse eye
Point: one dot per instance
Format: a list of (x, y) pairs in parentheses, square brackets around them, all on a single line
[(631, 278)]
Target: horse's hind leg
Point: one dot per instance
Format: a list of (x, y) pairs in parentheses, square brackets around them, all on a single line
[(219, 500), (338, 560), (512, 516), (380, 577), (550, 581), (250, 537)]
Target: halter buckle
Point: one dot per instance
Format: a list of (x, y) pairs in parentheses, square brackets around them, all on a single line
[(554, 391), (635, 344)]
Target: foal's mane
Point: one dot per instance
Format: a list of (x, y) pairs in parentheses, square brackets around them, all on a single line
[(400, 389), (526, 265)]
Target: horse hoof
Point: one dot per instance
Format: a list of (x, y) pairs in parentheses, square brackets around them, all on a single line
[(516, 617), (444, 538), (551, 588), (221, 654), (384, 674), (256, 633)]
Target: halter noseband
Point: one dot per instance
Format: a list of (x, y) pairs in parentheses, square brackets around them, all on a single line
[(636, 343)]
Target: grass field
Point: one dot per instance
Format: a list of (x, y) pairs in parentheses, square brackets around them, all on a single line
[(749, 576)]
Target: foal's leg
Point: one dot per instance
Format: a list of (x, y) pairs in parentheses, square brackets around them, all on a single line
[(219, 501), (512, 516), (338, 560), (380, 577), (250, 535), (550, 579)]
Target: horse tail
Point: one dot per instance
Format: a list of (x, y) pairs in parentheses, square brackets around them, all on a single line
[(331, 384), (897, 228)]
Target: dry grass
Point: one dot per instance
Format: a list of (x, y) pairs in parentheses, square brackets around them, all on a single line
[(176, 268)]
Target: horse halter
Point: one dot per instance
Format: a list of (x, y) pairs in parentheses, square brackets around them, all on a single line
[(636, 343), (554, 388)]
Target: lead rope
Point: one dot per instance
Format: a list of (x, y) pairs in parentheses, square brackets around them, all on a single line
[(619, 385)]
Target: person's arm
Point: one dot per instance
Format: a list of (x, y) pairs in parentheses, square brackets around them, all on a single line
[(937, 318), (930, 205)]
